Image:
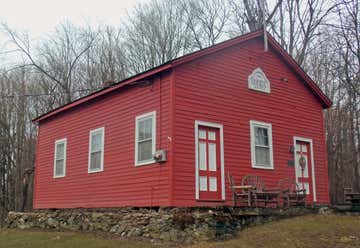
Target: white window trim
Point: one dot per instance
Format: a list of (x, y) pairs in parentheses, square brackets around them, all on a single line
[(55, 151), (252, 143), (153, 137), (221, 129), (101, 129), (296, 138)]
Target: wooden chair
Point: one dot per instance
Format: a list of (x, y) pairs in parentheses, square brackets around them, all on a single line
[(260, 193), (291, 193), (240, 193)]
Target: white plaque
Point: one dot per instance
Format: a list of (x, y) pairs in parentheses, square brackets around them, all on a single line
[(257, 80)]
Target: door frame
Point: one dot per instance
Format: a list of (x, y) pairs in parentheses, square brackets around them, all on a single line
[(220, 127), (307, 140)]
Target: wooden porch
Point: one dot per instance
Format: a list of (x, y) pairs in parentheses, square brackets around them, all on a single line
[(252, 192)]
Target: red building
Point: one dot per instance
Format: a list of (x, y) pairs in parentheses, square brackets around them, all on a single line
[(231, 107)]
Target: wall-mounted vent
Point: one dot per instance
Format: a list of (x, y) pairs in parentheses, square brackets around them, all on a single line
[(160, 156)]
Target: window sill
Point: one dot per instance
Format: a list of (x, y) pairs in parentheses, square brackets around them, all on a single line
[(262, 167), (60, 176), (95, 171), (145, 163)]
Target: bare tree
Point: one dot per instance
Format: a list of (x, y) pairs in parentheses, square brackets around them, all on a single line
[(334, 64), (297, 24), (104, 61), (155, 33), (207, 21), (251, 15), (58, 55), (17, 139), (349, 70)]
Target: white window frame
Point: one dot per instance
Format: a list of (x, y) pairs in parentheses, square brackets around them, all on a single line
[(268, 126), (57, 142), (151, 115), (102, 130)]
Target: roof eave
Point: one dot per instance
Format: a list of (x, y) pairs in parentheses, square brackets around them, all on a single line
[(102, 92), (325, 101), (173, 63)]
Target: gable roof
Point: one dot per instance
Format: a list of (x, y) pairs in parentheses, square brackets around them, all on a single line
[(323, 99)]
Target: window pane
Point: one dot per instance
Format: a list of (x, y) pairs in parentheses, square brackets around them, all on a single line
[(60, 151), (212, 157), (212, 135), (213, 184), (96, 142), (202, 155), (203, 183), (305, 186), (303, 148), (95, 162), (145, 150), (261, 136), (145, 129), (262, 155), (59, 167), (202, 134)]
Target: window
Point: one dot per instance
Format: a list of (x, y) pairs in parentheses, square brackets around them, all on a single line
[(261, 145), (96, 150), (60, 158), (145, 141)]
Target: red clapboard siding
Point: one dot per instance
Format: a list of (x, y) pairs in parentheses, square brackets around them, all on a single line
[(121, 183), (210, 85), (214, 88)]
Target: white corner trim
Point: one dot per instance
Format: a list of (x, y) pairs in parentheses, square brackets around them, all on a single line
[(64, 140), (296, 138), (221, 129), (102, 130), (268, 126), (151, 115)]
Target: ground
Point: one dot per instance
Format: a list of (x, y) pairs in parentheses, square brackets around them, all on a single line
[(315, 231)]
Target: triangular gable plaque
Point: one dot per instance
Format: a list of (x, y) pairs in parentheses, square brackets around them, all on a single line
[(257, 80)]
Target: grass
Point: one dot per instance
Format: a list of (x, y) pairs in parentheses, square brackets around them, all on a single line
[(313, 231), (39, 239)]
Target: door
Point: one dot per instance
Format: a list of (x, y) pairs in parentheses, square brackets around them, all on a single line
[(209, 163), (303, 167)]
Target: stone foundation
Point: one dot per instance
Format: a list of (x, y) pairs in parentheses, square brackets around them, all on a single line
[(185, 225)]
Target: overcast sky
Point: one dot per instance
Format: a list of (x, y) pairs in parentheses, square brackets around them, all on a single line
[(41, 16)]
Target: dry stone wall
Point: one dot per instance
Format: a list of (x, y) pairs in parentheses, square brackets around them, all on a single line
[(184, 225)]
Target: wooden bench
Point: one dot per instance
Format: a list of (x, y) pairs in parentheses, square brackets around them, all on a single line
[(351, 197), (261, 195), (253, 192)]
